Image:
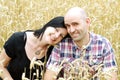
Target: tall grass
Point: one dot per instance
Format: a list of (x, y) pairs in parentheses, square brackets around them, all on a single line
[(19, 15)]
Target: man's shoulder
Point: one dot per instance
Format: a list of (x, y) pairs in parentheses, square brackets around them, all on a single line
[(98, 37)]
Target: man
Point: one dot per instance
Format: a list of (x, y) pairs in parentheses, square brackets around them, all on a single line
[(94, 49)]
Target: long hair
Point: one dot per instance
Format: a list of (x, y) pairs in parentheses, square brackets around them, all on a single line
[(55, 22)]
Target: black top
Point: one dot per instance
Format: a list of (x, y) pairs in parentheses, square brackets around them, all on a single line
[(15, 48)]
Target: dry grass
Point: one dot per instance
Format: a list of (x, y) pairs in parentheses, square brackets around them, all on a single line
[(19, 15), (79, 69)]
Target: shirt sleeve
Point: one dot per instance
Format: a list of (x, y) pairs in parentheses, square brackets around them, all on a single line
[(109, 57), (54, 60), (9, 46)]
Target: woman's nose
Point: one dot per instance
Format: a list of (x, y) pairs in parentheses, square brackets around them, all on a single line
[(57, 34)]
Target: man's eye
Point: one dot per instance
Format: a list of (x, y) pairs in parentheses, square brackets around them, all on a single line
[(67, 25), (75, 24)]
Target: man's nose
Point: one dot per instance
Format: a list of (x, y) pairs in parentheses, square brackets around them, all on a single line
[(72, 29)]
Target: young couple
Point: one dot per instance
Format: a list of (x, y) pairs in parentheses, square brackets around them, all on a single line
[(22, 47)]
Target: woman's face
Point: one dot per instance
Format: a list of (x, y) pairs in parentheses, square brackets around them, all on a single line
[(54, 35)]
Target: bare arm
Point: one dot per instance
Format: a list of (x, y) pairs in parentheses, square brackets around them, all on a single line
[(4, 60), (50, 75), (111, 73), (114, 76)]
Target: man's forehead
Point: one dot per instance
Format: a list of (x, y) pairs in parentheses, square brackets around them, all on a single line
[(72, 18), (75, 12)]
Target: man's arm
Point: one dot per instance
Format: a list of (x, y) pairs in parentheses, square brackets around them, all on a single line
[(112, 72), (114, 76), (50, 75), (110, 64)]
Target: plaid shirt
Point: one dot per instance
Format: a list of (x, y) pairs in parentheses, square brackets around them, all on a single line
[(98, 51)]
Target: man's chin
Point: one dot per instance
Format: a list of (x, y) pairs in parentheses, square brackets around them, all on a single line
[(76, 38)]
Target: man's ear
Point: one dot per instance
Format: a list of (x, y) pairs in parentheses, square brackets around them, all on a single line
[(88, 20)]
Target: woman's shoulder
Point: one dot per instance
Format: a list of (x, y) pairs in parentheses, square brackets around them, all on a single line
[(21, 33), (16, 37), (18, 34)]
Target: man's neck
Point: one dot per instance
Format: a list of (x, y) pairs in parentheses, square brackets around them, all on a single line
[(84, 41)]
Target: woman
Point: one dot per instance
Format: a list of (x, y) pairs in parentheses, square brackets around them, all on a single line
[(22, 47)]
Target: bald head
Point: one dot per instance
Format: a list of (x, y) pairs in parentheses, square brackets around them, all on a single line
[(76, 11), (77, 22)]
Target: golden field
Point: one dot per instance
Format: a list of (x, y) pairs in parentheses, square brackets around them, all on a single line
[(19, 15)]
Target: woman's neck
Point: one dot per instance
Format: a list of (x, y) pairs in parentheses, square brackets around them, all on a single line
[(35, 47), (40, 44)]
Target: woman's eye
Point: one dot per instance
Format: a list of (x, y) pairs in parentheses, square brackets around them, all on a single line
[(57, 30), (62, 35)]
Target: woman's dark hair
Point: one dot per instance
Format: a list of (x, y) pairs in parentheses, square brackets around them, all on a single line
[(55, 22)]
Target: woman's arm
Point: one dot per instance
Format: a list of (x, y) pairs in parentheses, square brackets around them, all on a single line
[(4, 61)]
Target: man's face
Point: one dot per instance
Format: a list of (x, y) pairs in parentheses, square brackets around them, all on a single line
[(77, 27)]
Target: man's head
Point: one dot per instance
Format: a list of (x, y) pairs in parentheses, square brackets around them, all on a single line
[(77, 23)]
